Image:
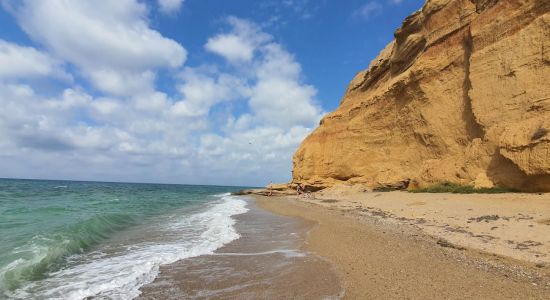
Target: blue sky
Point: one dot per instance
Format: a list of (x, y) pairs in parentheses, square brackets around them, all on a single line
[(199, 92)]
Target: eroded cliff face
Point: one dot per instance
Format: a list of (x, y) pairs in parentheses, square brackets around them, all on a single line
[(462, 94)]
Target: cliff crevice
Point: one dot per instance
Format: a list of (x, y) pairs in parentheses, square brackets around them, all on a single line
[(473, 128)]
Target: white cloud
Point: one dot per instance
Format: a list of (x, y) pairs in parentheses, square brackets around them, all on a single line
[(32, 121), (368, 10), (259, 154), (135, 133), (232, 47), (24, 62), (203, 88), (69, 99), (170, 6), (110, 41), (119, 133), (282, 110), (240, 43), (154, 103), (120, 82), (279, 98), (277, 95), (284, 103)]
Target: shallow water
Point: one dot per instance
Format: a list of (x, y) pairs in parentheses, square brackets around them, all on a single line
[(266, 262), (72, 240)]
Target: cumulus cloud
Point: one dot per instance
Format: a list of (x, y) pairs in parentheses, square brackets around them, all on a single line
[(277, 94), (23, 62), (109, 41), (232, 47), (226, 124), (100, 133), (282, 109), (203, 88), (33, 121), (239, 44), (170, 6), (279, 98)]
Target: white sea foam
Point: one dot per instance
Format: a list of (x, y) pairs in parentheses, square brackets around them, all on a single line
[(222, 195), (121, 276)]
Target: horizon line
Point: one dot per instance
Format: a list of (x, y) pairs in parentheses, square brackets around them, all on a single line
[(125, 182)]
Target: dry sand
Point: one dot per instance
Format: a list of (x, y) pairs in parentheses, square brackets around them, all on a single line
[(511, 225), (420, 246)]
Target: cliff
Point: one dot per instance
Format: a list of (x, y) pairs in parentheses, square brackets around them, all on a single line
[(462, 95)]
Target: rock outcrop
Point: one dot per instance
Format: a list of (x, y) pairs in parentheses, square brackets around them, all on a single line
[(462, 95)]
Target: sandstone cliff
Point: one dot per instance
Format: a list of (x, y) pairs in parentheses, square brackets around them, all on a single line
[(462, 94)]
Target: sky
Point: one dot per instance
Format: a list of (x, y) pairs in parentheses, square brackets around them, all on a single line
[(177, 91)]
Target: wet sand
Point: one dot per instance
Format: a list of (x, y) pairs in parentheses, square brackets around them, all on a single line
[(381, 259), (267, 262)]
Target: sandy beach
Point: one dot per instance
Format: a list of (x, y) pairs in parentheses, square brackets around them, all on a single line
[(428, 246)]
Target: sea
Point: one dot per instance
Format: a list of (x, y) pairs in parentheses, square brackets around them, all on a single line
[(99, 240)]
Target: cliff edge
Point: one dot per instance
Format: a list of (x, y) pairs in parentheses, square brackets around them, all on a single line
[(461, 95)]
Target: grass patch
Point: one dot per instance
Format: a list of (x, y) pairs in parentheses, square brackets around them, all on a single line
[(449, 187)]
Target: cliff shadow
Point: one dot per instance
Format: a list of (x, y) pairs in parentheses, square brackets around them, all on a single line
[(503, 172)]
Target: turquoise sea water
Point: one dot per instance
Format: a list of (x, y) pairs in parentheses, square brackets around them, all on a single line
[(72, 240)]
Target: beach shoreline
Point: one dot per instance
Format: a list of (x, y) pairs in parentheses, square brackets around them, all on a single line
[(267, 261), (380, 251)]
